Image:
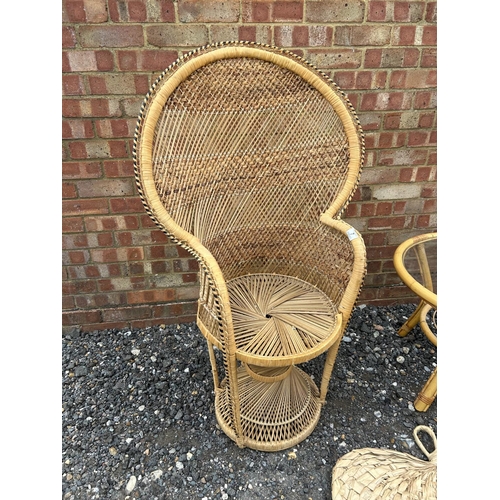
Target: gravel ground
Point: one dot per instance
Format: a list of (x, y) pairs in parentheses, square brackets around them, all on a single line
[(138, 416)]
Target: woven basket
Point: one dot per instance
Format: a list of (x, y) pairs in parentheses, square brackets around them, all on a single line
[(373, 473)]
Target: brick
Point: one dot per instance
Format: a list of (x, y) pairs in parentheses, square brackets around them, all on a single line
[(430, 206), (381, 252), (362, 35), (85, 207), (119, 83), (403, 35), (256, 11), (70, 318), (132, 105), (396, 191), (425, 100), (418, 138), (162, 252), (126, 205), (416, 79), (73, 85), (385, 101), (360, 80), (429, 58), (189, 277), (126, 313), (408, 12), (100, 301), (403, 157), (303, 36), (184, 310), (111, 36), (429, 36), (77, 287), (68, 303), (391, 58), (287, 11), (370, 121), (89, 60), (73, 11), (89, 108), (158, 11), (81, 170), (145, 60), (423, 221), (404, 120), (117, 254), (73, 225), (377, 11), (150, 296), (119, 168), (101, 188), (334, 11), (379, 176), (136, 238), (111, 128), (188, 35), (77, 129), (431, 12), (76, 257), (335, 58), (98, 149), (68, 191), (384, 223), (68, 37), (208, 11)]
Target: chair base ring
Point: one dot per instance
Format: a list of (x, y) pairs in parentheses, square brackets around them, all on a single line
[(274, 416)]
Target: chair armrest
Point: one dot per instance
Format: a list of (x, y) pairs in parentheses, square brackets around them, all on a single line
[(359, 267)]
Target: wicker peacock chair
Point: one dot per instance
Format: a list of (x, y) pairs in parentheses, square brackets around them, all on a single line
[(246, 156)]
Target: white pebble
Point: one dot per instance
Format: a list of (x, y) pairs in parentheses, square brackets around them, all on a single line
[(141, 408), (400, 359), (179, 465), (377, 414), (156, 474), (131, 484), (135, 352)]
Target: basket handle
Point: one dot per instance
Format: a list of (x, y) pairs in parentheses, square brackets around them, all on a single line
[(417, 439)]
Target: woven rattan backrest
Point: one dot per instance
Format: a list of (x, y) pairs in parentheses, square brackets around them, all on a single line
[(240, 136)]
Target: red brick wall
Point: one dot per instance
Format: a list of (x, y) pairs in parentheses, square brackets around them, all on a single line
[(118, 268)]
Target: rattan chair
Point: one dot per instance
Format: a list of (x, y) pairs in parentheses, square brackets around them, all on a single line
[(246, 156)]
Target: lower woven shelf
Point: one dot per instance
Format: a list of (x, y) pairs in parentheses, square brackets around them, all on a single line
[(274, 416)]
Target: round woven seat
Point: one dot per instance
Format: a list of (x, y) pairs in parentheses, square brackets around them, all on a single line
[(280, 319), (274, 416)]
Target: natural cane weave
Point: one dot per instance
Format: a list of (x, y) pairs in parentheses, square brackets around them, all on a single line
[(246, 156), (380, 474)]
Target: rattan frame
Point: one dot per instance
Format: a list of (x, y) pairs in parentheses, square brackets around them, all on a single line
[(428, 302), (245, 371)]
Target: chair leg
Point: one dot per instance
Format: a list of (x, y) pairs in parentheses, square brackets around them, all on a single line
[(213, 362), (327, 370), (428, 393), (412, 321)]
